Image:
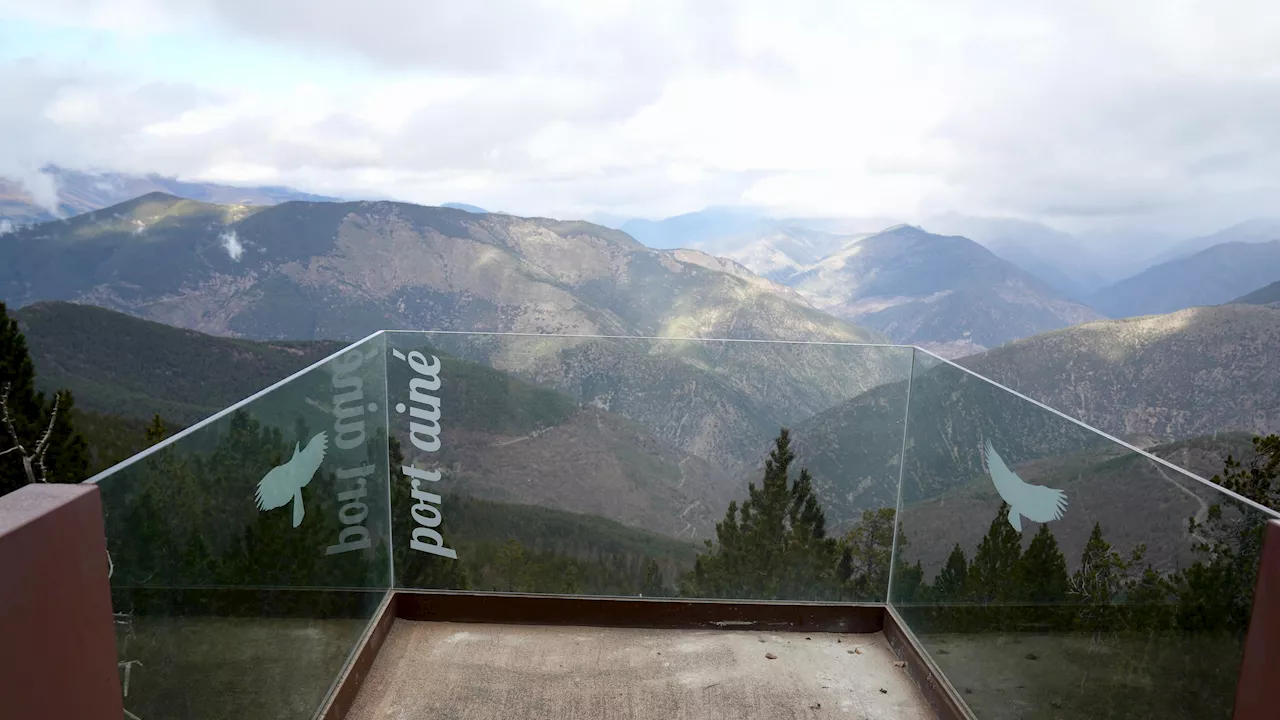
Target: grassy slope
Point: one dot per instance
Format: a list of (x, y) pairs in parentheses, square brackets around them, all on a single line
[(120, 365)]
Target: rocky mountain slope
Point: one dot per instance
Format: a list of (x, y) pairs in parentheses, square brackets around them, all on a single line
[(342, 270), (80, 192), (1209, 277), (1188, 373), (948, 294), (730, 266), (1196, 373), (1135, 500)]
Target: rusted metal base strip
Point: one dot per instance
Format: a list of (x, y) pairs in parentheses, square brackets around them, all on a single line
[(344, 691), (937, 690), (514, 608), (1260, 668)]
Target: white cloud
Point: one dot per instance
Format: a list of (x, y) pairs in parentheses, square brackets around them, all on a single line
[(1082, 114), (231, 243)]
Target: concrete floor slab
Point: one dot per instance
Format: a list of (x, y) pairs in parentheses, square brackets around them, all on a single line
[(480, 672)]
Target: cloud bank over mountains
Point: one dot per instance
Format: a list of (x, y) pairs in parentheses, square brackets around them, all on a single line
[(1081, 115)]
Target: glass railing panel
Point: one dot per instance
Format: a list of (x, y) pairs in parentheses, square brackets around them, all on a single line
[(249, 552), (1052, 572), (608, 466)]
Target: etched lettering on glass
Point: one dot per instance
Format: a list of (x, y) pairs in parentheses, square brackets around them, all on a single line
[(424, 433)]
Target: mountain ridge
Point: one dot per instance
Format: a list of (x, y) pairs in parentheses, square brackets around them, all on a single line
[(343, 270), (1161, 375), (945, 293), (79, 192), (1209, 277)]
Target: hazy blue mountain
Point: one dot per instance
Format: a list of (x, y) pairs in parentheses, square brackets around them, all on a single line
[(704, 226), (1251, 231), (1209, 277), (947, 293), (778, 253), (1056, 257), (465, 207), (80, 192), (1268, 295)]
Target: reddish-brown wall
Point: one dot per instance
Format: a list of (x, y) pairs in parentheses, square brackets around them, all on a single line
[(57, 641), (1258, 690)]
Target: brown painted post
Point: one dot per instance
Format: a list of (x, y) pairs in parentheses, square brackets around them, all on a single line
[(57, 638), (1258, 690)]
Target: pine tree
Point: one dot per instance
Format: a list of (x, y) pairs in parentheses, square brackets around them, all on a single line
[(652, 586), (38, 439), (775, 545), (993, 574), (1147, 602), (952, 584), (156, 430), (1100, 582), (572, 582), (1042, 571), (511, 567), (869, 546), (1216, 593)]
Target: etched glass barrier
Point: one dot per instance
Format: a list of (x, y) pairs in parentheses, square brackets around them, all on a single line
[(249, 552), (1051, 572), (604, 466)]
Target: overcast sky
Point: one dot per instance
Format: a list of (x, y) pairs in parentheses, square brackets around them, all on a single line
[(1158, 113)]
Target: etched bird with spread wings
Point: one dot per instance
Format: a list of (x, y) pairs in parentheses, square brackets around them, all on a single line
[(1034, 502), (285, 482)]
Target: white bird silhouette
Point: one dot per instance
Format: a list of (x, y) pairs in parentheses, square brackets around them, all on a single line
[(1034, 502), (285, 482)]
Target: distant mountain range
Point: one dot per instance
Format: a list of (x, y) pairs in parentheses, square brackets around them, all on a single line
[(342, 270), (1059, 259), (304, 270), (945, 293), (463, 206), (80, 192), (779, 253), (729, 231), (1209, 277), (1095, 269), (1251, 231)]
